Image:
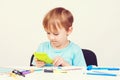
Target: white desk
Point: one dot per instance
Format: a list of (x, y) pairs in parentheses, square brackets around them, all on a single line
[(70, 75)]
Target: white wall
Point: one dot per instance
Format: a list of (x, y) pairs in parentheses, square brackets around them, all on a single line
[(96, 27)]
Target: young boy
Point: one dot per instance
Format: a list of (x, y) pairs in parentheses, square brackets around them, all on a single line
[(58, 26)]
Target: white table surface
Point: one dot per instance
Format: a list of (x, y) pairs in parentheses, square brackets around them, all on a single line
[(70, 75)]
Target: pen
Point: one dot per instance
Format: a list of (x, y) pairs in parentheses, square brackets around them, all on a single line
[(18, 72), (101, 74), (101, 68), (38, 69), (105, 68), (25, 72), (29, 71)]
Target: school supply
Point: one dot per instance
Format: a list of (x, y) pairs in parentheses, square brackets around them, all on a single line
[(102, 71), (102, 68), (43, 57)]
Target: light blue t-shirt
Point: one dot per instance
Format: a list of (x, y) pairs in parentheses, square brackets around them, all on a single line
[(72, 53)]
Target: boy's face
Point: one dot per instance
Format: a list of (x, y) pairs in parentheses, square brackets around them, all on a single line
[(59, 39)]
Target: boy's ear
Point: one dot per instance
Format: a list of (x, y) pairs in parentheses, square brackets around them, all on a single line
[(70, 30)]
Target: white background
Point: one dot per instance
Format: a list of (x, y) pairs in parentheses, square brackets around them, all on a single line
[(96, 27)]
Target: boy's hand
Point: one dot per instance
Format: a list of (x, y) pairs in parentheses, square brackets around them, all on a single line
[(59, 61), (39, 63)]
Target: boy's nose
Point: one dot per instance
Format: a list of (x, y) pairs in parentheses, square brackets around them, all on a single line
[(52, 37)]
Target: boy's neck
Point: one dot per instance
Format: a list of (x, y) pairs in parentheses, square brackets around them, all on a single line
[(62, 46)]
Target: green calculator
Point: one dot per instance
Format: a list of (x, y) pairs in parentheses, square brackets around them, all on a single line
[(42, 56)]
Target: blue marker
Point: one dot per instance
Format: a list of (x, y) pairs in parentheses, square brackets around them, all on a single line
[(101, 74), (101, 68)]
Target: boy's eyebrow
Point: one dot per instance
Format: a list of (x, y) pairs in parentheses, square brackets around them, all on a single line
[(53, 32)]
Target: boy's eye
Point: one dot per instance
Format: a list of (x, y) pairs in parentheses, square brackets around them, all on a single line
[(56, 34), (48, 33), (53, 33)]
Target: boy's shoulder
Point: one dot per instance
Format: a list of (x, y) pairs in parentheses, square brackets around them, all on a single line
[(74, 45), (75, 48), (44, 43)]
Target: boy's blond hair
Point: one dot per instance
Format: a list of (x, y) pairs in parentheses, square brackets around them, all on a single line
[(58, 18)]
